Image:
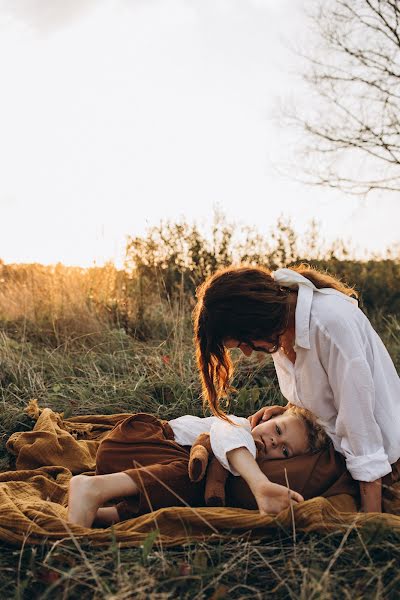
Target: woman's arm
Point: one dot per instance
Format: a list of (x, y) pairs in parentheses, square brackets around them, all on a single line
[(350, 375), (271, 498), (371, 495)]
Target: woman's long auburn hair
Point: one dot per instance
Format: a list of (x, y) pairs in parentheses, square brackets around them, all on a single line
[(244, 304)]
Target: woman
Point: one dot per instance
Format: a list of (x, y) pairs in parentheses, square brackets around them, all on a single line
[(327, 356)]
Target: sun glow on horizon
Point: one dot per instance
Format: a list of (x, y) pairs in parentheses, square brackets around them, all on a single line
[(165, 113)]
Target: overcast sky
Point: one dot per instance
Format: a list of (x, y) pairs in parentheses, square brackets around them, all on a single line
[(115, 114)]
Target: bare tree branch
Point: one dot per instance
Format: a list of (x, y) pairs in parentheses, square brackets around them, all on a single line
[(354, 76)]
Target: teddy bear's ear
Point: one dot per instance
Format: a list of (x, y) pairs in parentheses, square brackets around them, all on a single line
[(199, 456), (198, 462)]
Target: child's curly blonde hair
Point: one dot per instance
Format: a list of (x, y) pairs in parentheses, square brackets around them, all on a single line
[(317, 437)]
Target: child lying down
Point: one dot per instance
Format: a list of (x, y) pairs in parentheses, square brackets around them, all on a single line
[(144, 462)]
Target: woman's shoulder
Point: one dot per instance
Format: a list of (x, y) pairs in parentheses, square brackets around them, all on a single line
[(337, 316), (335, 305)]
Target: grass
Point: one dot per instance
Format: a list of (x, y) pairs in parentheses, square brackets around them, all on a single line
[(356, 565), (108, 371)]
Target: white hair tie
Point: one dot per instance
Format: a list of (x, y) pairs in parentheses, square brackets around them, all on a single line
[(293, 279)]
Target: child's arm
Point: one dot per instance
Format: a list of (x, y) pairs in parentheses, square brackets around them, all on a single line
[(271, 497), (371, 495), (225, 437), (235, 448)]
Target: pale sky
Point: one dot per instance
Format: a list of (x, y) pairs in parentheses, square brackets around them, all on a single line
[(115, 114)]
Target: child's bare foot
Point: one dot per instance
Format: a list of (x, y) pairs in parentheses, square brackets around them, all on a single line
[(84, 499), (88, 494)]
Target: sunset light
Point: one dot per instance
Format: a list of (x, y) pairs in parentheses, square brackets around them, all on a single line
[(114, 116)]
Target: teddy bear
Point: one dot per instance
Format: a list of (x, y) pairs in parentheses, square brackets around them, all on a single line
[(203, 462)]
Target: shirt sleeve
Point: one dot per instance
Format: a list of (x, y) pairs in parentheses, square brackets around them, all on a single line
[(188, 427), (351, 380), (225, 437)]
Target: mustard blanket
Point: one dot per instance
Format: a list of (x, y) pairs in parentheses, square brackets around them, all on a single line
[(33, 497)]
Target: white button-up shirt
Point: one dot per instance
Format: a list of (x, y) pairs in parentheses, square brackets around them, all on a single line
[(345, 376), (223, 436)]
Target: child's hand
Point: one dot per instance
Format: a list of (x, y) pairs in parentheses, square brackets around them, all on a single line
[(265, 413), (271, 497)]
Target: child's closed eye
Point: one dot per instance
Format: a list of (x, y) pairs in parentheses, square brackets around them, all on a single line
[(278, 429)]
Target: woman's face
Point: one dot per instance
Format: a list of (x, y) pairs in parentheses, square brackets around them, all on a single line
[(259, 346), (282, 437)]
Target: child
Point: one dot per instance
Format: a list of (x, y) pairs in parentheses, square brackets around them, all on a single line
[(158, 453)]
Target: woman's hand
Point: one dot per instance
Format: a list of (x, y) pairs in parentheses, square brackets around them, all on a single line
[(265, 413), (271, 497), (371, 495)]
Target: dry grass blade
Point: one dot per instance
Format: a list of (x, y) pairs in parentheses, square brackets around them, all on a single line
[(291, 510)]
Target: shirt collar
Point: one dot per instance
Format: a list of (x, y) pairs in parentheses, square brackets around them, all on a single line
[(302, 316), (293, 279)]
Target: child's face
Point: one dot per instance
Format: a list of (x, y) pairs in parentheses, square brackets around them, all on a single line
[(282, 437)]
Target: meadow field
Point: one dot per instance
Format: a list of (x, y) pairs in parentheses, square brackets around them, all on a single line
[(103, 340)]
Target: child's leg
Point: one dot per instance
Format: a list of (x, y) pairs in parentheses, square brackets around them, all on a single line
[(87, 494), (106, 516)]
